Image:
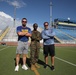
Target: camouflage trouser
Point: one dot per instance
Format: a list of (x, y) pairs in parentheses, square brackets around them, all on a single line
[(34, 52)]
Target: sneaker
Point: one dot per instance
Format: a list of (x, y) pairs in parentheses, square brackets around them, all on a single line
[(24, 67), (45, 66), (17, 68), (52, 68)]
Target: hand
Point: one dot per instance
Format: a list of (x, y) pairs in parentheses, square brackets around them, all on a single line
[(52, 37), (28, 34)]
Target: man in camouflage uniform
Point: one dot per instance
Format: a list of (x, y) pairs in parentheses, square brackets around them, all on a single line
[(35, 47)]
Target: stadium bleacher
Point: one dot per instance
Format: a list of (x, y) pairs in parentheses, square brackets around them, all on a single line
[(11, 35), (65, 32), (63, 37), (72, 33), (4, 32)]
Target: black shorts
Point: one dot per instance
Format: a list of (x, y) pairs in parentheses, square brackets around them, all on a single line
[(49, 49)]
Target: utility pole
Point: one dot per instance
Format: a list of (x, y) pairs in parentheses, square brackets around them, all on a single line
[(51, 13), (14, 15)]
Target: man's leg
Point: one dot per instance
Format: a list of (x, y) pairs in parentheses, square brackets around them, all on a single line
[(52, 63), (25, 52), (45, 51), (36, 57), (33, 60), (17, 62), (17, 59), (24, 59), (46, 59), (52, 60), (24, 62), (52, 54)]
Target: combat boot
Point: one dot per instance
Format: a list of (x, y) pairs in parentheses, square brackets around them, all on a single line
[(36, 72), (33, 67), (36, 65)]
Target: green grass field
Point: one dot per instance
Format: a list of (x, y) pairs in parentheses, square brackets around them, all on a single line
[(65, 62)]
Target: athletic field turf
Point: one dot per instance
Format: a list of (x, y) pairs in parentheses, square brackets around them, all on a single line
[(65, 62)]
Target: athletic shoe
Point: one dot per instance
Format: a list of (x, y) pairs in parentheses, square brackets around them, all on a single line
[(52, 68), (24, 67), (17, 68)]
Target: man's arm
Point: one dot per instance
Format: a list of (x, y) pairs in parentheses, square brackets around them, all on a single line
[(38, 37), (21, 33), (24, 34), (44, 36), (28, 34), (50, 33)]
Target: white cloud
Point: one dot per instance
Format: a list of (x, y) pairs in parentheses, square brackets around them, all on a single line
[(17, 3), (6, 19), (5, 15)]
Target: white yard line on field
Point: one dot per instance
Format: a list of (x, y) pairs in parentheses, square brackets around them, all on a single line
[(70, 50), (65, 61), (4, 48)]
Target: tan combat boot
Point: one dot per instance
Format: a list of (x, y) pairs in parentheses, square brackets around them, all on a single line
[(33, 67), (36, 72), (36, 65)]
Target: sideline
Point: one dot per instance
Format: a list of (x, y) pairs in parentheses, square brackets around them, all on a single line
[(65, 61), (4, 48)]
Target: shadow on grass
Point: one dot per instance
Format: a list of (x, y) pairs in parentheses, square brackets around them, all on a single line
[(21, 61), (28, 62), (41, 62)]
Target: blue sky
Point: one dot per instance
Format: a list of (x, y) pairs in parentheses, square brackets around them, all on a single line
[(38, 11)]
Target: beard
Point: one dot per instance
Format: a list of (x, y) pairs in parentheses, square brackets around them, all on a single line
[(24, 25)]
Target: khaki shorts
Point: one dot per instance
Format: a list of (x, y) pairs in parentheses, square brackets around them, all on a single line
[(22, 48)]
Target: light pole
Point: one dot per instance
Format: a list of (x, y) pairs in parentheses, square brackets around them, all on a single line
[(14, 15), (51, 13)]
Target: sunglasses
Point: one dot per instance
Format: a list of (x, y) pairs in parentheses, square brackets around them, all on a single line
[(24, 21), (45, 25)]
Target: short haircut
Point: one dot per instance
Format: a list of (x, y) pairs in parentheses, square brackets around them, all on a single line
[(24, 18), (46, 22), (35, 24)]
